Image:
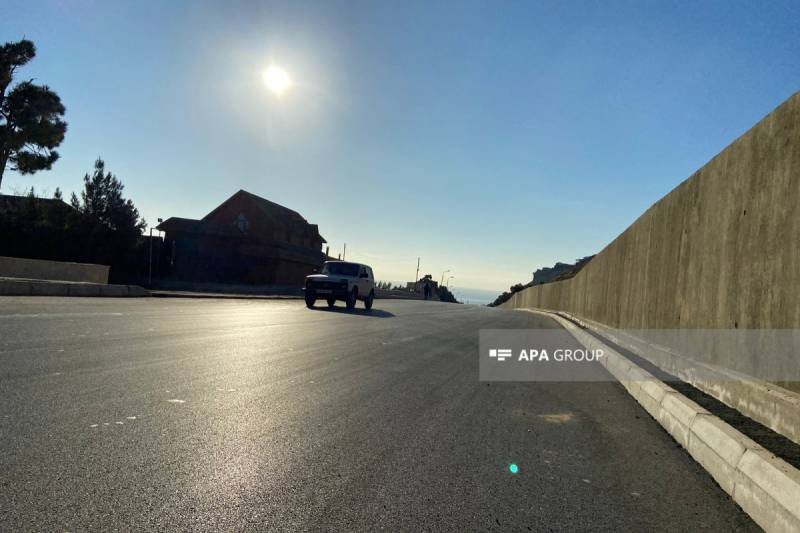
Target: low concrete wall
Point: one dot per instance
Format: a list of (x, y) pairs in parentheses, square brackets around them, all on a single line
[(772, 406), (765, 486), (23, 287), (15, 267)]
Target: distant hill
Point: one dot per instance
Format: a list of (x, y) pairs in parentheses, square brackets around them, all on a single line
[(558, 272), (545, 274)]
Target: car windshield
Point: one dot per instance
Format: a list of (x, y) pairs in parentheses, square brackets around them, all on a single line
[(340, 269)]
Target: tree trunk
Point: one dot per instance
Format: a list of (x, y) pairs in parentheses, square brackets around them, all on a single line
[(3, 160)]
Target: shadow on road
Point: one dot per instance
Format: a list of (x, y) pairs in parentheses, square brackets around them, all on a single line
[(374, 313)]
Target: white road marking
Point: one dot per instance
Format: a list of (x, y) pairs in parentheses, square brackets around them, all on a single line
[(58, 315), (175, 400), (557, 418)]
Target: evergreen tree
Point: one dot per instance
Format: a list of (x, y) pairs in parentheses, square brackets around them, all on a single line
[(102, 202), (31, 124)]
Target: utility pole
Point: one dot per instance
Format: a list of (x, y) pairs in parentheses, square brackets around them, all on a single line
[(344, 253), (150, 261), (416, 276), (441, 281)]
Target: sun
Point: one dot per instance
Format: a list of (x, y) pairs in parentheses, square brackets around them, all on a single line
[(277, 80)]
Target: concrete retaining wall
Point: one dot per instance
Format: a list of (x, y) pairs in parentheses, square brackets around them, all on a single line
[(15, 267), (718, 252)]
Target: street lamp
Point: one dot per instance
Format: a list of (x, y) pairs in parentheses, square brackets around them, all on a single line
[(448, 281), (416, 276), (441, 281), (150, 261)]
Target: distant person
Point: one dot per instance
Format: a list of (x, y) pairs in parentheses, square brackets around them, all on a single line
[(427, 290)]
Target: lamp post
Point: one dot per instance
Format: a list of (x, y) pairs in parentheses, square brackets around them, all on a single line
[(441, 281), (448, 281), (150, 261)]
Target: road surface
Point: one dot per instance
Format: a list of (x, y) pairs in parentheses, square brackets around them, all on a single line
[(253, 415)]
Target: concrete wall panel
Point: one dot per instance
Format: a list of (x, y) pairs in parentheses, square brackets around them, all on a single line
[(15, 267), (718, 252)]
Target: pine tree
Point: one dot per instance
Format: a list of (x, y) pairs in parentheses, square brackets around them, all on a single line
[(101, 201), (31, 124)]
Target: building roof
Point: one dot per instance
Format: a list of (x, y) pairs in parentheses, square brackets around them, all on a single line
[(276, 213), (270, 209), (178, 224), (9, 202), (12, 203)]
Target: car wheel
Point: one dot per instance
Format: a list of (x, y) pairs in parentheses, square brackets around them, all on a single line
[(331, 302), (368, 301), (310, 301), (353, 298)]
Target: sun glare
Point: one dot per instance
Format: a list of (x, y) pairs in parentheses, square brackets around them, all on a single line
[(277, 80)]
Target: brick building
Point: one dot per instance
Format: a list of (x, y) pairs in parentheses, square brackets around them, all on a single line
[(247, 239)]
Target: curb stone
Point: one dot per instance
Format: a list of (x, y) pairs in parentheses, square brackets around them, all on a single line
[(765, 486)]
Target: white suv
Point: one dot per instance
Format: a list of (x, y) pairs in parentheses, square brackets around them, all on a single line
[(340, 280)]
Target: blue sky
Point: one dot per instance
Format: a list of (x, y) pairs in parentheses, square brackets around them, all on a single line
[(489, 138)]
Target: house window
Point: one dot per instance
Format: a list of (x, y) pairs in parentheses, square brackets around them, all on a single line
[(242, 223)]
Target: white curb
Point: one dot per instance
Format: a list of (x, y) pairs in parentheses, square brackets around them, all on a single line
[(764, 402), (765, 486)]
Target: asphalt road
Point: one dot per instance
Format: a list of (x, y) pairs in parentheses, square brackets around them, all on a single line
[(120, 414)]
